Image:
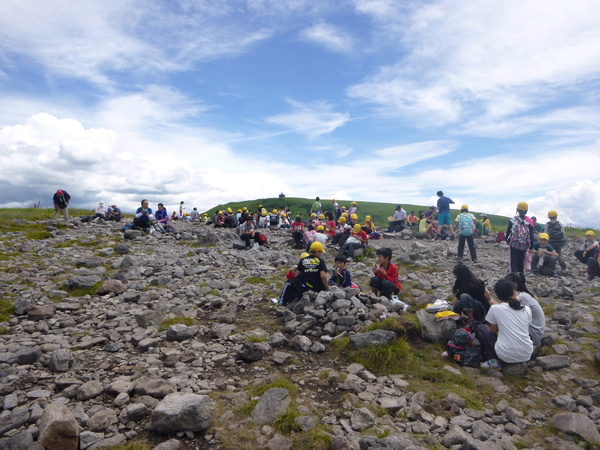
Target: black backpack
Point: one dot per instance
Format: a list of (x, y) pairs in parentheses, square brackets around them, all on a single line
[(465, 348), (555, 231)]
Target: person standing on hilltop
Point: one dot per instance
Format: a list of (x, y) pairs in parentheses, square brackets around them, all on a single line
[(337, 211), (519, 236), (316, 207), (181, 208), (444, 218), (61, 201)]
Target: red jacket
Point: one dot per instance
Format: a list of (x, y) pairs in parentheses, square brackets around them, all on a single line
[(391, 274)]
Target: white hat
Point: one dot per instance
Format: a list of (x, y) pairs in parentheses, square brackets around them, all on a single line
[(101, 203)]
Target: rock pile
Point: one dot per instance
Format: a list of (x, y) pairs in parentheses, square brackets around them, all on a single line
[(119, 336)]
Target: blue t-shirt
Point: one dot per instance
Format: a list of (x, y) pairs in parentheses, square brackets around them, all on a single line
[(444, 203), (143, 218), (161, 214), (548, 247)]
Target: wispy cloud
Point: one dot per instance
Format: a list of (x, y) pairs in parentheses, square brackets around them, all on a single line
[(313, 119), (329, 36)]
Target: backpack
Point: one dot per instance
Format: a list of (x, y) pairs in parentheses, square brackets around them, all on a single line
[(465, 224), (501, 236), (262, 239), (274, 219), (519, 235), (465, 348), (85, 219), (291, 290), (444, 234), (555, 231)]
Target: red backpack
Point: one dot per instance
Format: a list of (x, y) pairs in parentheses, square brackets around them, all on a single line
[(501, 237)]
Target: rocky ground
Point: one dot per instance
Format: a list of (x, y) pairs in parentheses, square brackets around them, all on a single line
[(172, 341)]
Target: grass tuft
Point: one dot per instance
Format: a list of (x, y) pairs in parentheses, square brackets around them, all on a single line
[(189, 321), (7, 308), (256, 280), (81, 292)]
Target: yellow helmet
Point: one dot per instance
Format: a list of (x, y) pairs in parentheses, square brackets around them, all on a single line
[(345, 215), (264, 214), (354, 216), (333, 200), (260, 206), (174, 212), (368, 218), (229, 210), (239, 210), (320, 228), (283, 215), (304, 255), (321, 216), (523, 206), (342, 219), (313, 215), (464, 207), (544, 236), (219, 212), (357, 228), (343, 207), (244, 209), (552, 214), (353, 203), (317, 247), (590, 233), (274, 211)]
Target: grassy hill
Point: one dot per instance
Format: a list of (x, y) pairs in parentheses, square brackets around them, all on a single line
[(379, 212)]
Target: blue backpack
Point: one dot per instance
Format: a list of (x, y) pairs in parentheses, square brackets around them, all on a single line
[(466, 224)]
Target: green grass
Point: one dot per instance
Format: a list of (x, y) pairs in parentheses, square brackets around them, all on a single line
[(285, 423), (81, 292), (189, 321), (316, 439), (256, 339), (281, 382), (7, 308), (405, 325), (256, 280)]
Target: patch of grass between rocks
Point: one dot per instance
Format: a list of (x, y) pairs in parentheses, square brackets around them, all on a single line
[(189, 321)]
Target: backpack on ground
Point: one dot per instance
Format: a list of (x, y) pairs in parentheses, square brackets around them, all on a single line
[(262, 240), (519, 235), (466, 224), (465, 348), (85, 219), (444, 234), (501, 236)]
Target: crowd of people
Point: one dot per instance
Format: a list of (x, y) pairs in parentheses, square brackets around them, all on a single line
[(509, 326)]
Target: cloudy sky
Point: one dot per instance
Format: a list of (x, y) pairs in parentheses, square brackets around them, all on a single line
[(210, 101)]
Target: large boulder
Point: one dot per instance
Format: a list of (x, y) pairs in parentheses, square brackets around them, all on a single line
[(434, 330), (181, 412), (59, 429), (377, 338), (271, 405), (83, 281), (577, 423)]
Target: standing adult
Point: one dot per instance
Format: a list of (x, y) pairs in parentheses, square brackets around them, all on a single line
[(398, 221), (519, 236), (316, 207), (336, 210), (61, 201), (444, 219), (466, 224), (556, 233)]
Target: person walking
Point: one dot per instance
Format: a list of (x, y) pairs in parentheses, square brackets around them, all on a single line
[(61, 201)]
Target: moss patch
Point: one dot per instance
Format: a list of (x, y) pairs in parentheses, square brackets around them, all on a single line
[(189, 321)]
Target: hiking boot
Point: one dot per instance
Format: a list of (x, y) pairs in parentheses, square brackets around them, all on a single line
[(490, 364)]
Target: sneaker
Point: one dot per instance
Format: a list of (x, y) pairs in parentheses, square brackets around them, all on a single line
[(490, 364)]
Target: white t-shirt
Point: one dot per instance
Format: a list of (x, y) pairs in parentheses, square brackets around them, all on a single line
[(514, 344), (321, 237), (538, 321)]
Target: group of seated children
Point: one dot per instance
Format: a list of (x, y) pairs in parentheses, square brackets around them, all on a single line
[(510, 329), (310, 274), (103, 213)]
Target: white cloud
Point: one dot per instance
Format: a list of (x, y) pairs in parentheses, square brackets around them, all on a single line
[(329, 36), (465, 60), (313, 119)]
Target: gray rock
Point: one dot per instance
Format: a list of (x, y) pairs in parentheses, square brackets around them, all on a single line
[(89, 390), (155, 387), (271, 405), (481, 430), (553, 362), (305, 423), (112, 286), (183, 411), (83, 281), (39, 312), (171, 444), (133, 412), (361, 419), (26, 356), (102, 420), (58, 428), (122, 249), (181, 332), (89, 438), (377, 338), (434, 331), (281, 358), (21, 305), (89, 262), (61, 360), (455, 436), (301, 343), (253, 351), (132, 234), (279, 442), (21, 441), (577, 423)]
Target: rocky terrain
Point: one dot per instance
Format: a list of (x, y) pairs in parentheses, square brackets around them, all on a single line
[(173, 342)]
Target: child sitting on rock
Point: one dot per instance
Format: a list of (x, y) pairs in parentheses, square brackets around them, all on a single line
[(386, 281), (544, 257), (297, 228), (368, 226), (341, 275), (358, 239)]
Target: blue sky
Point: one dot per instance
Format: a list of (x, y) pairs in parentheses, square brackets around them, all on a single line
[(216, 101)]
